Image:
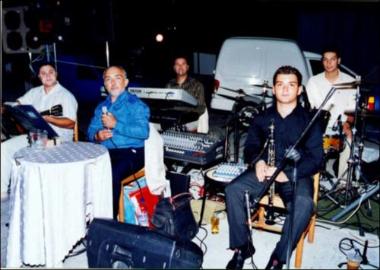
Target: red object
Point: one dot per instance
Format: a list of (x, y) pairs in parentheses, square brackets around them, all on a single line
[(147, 201), (216, 85), (371, 103), (46, 25)]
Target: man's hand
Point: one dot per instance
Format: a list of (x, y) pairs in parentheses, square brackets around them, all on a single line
[(108, 120), (47, 118), (261, 168), (281, 177), (103, 135)]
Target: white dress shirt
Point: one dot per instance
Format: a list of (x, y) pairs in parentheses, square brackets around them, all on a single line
[(58, 95), (343, 100)]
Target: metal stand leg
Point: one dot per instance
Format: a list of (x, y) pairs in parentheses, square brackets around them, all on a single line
[(362, 198), (204, 198)]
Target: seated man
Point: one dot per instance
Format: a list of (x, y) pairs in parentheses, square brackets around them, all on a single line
[(341, 102), (193, 87), (120, 123), (289, 119), (43, 98)]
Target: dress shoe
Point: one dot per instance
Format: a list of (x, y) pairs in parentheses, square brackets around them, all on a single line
[(240, 255), (274, 263)]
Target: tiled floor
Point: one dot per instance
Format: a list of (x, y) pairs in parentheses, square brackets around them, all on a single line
[(324, 253)]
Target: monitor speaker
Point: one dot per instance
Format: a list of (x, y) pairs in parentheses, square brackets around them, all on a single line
[(111, 244)]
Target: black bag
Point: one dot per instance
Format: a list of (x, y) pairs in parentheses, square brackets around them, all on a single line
[(173, 217)]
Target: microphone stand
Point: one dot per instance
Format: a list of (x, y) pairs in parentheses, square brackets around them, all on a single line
[(295, 156), (290, 152), (351, 161)]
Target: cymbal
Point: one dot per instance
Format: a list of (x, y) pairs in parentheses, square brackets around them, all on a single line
[(364, 114), (346, 85), (349, 113), (238, 91), (263, 95), (264, 85)]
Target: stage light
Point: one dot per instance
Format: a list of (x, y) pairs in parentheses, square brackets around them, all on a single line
[(159, 37)]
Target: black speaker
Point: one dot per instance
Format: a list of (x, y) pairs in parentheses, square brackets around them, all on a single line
[(179, 182), (111, 244), (19, 33)]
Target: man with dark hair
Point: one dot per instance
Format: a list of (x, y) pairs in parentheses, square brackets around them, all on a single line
[(342, 101), (191, 85), (290, 120), (50, 93)]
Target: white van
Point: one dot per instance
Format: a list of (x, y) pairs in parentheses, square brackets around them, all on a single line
[(246, 62), (245, 68)]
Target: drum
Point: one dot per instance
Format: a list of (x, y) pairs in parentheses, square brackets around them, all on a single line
[(323, 118), (246, 114), (332, 143)]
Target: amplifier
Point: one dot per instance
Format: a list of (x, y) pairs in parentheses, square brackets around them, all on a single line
[(194, 148), (111, 244)]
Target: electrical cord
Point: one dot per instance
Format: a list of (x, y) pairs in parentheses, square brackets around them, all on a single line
[(323, 227), (350, 216), (202, 244), (344, 247)]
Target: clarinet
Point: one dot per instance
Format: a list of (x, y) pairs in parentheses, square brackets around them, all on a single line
[(271, 162)]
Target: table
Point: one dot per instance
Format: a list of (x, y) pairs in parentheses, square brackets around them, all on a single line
[(55, 193), (230, 172), (216, 183)]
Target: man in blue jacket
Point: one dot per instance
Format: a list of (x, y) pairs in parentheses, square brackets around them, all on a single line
[(120, 123)]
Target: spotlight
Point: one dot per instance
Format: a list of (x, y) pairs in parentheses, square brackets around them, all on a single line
[(159, 37)]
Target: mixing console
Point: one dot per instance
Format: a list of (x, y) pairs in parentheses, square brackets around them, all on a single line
[(192, 147), (229, 171)]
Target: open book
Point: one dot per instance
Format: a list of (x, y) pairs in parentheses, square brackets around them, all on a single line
[(28, 117)]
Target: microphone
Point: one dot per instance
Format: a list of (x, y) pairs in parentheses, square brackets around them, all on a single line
[(104, 110), (338, 123)]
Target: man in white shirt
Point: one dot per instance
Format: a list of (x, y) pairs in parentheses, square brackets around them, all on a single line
[(342, 100), (43, 98)]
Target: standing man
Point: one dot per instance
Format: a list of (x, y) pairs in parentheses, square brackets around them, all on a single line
[(289, 119), (342, 100), (120, 123), (42, 98), (190, 85)]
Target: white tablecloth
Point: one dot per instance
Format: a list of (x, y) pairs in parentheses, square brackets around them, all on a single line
[(54, 194)]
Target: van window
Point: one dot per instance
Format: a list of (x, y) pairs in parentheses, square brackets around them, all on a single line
[(316, 66)]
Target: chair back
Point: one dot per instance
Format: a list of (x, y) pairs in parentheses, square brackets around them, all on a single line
[(76, 132)]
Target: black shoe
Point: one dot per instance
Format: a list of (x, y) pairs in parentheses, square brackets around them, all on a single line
[(242, 253), (274, 263), (236, 262)]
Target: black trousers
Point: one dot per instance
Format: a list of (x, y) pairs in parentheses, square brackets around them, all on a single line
[(124, 162), (237, 217)]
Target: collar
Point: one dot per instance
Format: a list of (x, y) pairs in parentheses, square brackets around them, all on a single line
[(53, 90), (296, 111)]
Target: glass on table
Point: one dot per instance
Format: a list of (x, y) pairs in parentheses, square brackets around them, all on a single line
[(38, 139)]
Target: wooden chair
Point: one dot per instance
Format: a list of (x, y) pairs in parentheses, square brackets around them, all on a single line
[(259, 220), (128, 180), (76, 132)]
